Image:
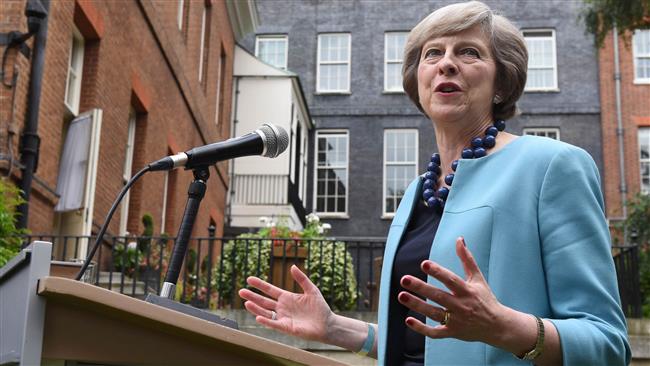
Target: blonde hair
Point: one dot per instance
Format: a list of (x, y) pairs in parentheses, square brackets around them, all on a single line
[(506, 43)]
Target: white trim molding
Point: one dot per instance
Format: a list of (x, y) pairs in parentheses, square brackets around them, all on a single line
[(542, 66), (405, 140), (393, 55), (550, 132), (641, 52), (342, 164), (275, 39), (344, 58)]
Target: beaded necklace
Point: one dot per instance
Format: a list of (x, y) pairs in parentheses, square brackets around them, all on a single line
[(435, 197)]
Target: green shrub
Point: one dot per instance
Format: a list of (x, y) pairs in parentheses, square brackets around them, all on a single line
[(10, 240), (329, 264)]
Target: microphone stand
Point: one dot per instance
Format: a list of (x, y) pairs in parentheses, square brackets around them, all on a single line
[(195, 194)]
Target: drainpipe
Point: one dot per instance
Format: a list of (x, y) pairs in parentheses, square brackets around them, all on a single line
[(231, 165), (30, 140), (619, 130)]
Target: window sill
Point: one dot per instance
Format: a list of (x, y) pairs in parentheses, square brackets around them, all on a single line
[(542, 91), (642, 82), (393, 92), (387, 216), (325, 215), (333, 93)]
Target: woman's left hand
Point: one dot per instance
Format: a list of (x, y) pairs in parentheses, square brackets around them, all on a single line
[(474, 312)]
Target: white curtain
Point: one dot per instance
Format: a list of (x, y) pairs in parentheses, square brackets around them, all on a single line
[(74, 163)]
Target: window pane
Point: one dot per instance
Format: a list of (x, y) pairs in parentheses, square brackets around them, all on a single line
[(331, 187), (394, 76), (541, 59), (641, 41), (400, 165), (273, 51), (642, 68), (540, 79), (395, 46), (333, 63)]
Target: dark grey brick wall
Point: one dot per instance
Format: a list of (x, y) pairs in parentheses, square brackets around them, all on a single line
[(367, 111)]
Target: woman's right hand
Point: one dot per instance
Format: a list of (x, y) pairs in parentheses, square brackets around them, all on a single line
[(305, 315)]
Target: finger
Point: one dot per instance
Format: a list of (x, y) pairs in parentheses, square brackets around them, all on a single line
[(420, 306), (303, 281), (258, 310), (452, 281), (430, 292), (467, 259), (258, 299), (439, 331), (265, 287)]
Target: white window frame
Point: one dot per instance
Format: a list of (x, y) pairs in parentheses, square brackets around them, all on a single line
[(347, 175), (642, 161), (202, 44), (637, 55), (387, 61), (179, 14), (542, 131), (554, 87), (386, 214), (126, 174), (77, 47), (274, 37), (319, 63)]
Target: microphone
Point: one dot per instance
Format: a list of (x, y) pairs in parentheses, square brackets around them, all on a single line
[(268, 140)]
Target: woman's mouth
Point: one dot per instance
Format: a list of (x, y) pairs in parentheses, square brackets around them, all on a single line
[(447, 88)]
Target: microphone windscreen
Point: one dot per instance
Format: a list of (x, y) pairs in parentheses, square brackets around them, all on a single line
[(277, 140)]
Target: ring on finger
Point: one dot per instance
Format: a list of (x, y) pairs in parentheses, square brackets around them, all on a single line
[(446, 319), (274, 315)]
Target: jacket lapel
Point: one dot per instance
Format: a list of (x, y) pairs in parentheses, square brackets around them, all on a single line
[(397, 228)]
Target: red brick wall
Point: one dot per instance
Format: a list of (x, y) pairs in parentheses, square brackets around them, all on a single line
[(141, 39), (635, 108)]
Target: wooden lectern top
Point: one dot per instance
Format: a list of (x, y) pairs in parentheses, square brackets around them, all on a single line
[(91, 324)]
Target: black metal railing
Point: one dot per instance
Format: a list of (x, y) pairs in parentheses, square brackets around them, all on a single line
[(626, 261), (347, 270), (216, 267)]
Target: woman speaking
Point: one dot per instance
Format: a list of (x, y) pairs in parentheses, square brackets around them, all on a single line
[(500, 248)]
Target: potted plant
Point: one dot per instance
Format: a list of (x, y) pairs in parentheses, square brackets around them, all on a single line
[(326, 261)]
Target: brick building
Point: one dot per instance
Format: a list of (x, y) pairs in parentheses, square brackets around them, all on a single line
[(634, 107), (153, 77)]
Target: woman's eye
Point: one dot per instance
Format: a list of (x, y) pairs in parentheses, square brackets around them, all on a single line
[(432, 52), (470, 52)]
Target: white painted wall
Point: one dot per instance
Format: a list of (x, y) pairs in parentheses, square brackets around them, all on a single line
[(261, 101)]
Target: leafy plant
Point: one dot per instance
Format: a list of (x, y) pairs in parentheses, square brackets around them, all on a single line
[(10, 240), (126, 257), (134, 254), (328, 263), (600, 17)]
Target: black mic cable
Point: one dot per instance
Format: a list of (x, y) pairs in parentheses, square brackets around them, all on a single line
[(107, 220)]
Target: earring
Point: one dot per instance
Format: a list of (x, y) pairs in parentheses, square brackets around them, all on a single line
[(496, 99)]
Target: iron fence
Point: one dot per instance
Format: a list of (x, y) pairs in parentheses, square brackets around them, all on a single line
[(626, 261), (346, 270), (215, 268)]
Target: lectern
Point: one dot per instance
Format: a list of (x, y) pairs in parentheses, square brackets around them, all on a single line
[(46, 319)]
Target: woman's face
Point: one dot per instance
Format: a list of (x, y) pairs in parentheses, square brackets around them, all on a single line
[(456, 77)]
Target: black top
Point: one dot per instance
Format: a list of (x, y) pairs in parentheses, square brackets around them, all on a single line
[(406, 347)]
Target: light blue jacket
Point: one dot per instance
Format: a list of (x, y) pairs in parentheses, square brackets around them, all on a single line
[(532, 216)]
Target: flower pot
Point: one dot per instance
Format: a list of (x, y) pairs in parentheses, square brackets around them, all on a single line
[(281, 262)]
